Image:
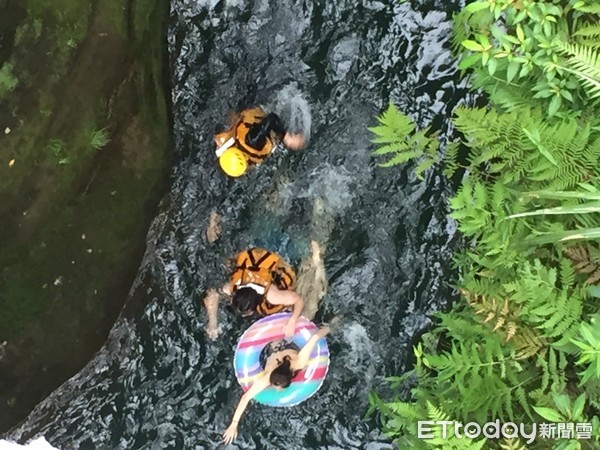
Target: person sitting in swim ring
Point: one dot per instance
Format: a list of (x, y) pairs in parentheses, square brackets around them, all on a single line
[(254, 135), (261, 284), (281, 361)]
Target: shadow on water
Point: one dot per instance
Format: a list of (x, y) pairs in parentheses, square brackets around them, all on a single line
[(158, 383)]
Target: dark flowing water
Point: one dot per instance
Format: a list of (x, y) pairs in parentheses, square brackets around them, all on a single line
[(158, 382)]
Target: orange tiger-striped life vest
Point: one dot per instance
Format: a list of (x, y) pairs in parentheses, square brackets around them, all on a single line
[(239, 131), (258, 268)]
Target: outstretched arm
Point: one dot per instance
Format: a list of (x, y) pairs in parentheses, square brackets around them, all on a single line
[(258, 386), (304, 354), (287, 297)]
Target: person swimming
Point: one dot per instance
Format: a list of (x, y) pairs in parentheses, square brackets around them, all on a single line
[(281, 361), (261, 284), (254, 135)]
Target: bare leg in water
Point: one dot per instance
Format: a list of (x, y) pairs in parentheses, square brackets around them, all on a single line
[(312, 281)]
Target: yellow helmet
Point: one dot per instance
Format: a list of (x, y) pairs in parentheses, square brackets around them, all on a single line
[(233, 162)]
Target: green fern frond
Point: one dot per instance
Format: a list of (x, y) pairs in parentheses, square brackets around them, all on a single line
[(450, 159), (584, 7), (397, 132), (588, 30), (522, 147), (408, 411), (584, 63), (567, 274), (512, 444), (435, 413)]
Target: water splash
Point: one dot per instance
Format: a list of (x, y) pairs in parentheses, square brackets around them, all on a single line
[(37, 444), (294, 109)]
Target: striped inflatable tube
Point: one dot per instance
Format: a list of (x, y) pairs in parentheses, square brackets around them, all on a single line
[(247, 366)]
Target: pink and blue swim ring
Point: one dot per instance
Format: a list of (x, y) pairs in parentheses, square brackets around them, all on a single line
[(246, 361)]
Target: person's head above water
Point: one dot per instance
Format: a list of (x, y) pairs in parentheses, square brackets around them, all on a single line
[(245, 300), (233, 162), (282, 376)]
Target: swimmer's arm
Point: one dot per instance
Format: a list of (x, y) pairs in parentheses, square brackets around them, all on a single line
[(304, 354), (259, 385), (287, 297)]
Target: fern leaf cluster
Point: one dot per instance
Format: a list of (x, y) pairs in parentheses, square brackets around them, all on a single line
[(396, 133), (485, 378), (588, 341), (512, 444), (583, 262), (553, 310), (551, 367), (521, 146), (522, 341), (583, 61), (501, 317)]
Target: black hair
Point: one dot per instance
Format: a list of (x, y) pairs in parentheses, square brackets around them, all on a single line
[(282, 375), (245, 300), (258, 133)]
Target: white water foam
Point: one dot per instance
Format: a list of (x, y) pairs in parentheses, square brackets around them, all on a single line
[(38, 444), (294, 109)]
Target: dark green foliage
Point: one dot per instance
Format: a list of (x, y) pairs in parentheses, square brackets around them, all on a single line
[(531, 53), (522, 343), (523, 147)]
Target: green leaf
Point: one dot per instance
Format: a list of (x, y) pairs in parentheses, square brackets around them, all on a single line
[(468, 61), (586, 333), (544, 151), (390, 148), (472, 45), (485, 42), (520, 34), (492, 65), (554, 105), (520, 16), (565, 236), (563, 402), (593, 291), (533, 135), (578, 408), (566, 94), (511, 71), (510, 38), (577, 209), (559, 195), (476, 6), (549, 414)]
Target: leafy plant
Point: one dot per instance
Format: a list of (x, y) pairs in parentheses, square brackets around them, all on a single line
[(8, 82), (57, 148), (397, 132), (525, 325), (99, 139), (588, 341), (583, 61), (522, 147), (541, 47), (586, 260), (590, 205)]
